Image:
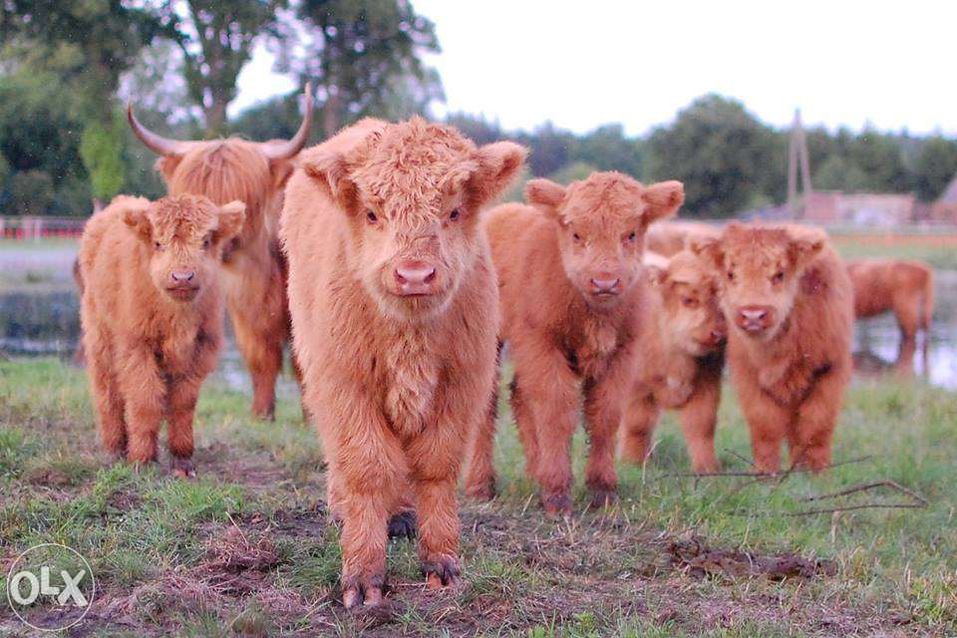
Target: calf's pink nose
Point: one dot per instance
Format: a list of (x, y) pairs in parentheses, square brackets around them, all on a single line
[(182, 277), (605, 285), (414, 272)]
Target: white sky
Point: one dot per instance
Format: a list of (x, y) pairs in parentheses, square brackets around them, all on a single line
[(585, 63)]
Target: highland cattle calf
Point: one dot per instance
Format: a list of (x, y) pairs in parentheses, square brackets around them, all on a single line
[(682, 339), (670, 237), (254, 173), (152, 314), (570, 279), (789, 301), (394, 313), (905, 288)]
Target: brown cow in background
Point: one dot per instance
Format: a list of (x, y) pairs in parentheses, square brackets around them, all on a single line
[(670, 237), (905, 288), (254, 173)]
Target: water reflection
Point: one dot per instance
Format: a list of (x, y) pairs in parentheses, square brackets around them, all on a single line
[(43, 320)]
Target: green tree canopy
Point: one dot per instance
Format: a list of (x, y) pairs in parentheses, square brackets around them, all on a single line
[(365, 57), (718, 149)]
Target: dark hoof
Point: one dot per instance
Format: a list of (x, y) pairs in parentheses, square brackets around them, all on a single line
[(365, 592), (557, 503), (182, 468), (403, 525), (482, 492), (601, 498), (441, 572)]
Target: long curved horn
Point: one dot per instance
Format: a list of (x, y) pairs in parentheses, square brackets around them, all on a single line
[(288, 149), (156, 143)]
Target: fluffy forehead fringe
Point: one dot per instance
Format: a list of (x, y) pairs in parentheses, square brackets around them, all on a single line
[(182, 217)]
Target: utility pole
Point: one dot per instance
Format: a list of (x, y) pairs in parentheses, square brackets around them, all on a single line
[(798, 158)]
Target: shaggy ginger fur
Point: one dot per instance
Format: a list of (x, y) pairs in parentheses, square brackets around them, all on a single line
[(152, 314), (394, 312), (682, 339), (569, 266), (668, 238), (788, 298), (235, 169), (904, 287)]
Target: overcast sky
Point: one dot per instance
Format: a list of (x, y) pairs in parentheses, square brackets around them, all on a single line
[(590, 62)]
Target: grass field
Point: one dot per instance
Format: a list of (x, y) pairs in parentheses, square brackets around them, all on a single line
[(246, 548)]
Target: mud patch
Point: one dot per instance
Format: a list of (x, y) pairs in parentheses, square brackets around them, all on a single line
[(699, 560)]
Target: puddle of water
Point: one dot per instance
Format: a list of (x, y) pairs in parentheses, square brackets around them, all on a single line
[(43, 320)]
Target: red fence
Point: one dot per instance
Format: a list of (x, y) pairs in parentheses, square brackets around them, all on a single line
[(32, 228)]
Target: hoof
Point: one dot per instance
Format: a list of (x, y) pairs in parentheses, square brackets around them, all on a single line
[(484, 491), (403, 525), (182, 468), (557, 503), (603, 497), (709, 467), (368, 593), (441, 572)]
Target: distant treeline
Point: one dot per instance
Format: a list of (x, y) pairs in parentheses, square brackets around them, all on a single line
[(67, 68)]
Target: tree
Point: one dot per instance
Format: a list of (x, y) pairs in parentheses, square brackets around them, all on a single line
[(31, 192), (217, 40), (550, 148), (39, 131), (87, 45), (608, 149), (935, 166), (718, 150), (365, 57)]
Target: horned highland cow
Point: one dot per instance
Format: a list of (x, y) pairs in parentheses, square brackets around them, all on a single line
[(789, 301), (394, 312), (152, 315), (569, 270), (255, 173), (682, 339)]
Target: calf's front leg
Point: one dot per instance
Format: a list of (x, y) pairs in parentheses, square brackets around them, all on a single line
[(144, 394)]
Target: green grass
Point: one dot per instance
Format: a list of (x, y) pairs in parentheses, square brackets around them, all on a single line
[(941, 256), (163, 550)]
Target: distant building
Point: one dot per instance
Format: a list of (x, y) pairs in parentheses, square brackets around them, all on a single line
[(861, 209)]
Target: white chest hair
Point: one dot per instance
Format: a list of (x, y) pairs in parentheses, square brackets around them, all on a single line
[(412, 376)]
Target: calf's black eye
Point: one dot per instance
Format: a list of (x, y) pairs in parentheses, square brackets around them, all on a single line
[(371, 217), (455, 214), (633, 236), (778, 277)]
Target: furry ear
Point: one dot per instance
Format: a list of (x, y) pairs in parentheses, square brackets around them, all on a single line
[(662, 200), (709, 249), (166, 166), (231, 218), (803, 249), (656, 275), (545, 194), (134, 216), (331, 171), (496, 166)]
